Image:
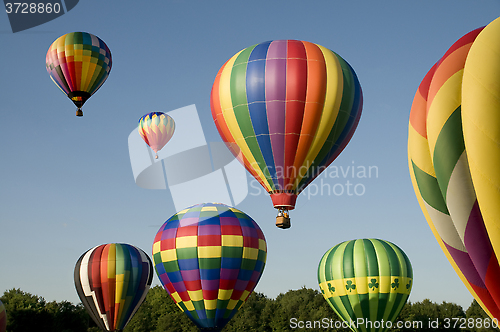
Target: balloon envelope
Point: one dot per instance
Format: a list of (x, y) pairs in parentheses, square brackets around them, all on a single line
[(3, 318), (450, 159), (112, 281), (78, 63), (291, 107), (209, 258), (366, 279), (156, 129)]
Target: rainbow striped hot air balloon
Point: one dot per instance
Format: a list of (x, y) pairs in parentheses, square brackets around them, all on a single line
[(366, 282), (78, 63), (209, 258), (454, 159), (156, 129), (112, 281), (290, 107)]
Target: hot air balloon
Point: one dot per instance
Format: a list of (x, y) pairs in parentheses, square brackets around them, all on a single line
[(453, 129), (3, 318), (156, 129), (366, 282), (209, 258), (78, 63), (290, 107), (112, 281)]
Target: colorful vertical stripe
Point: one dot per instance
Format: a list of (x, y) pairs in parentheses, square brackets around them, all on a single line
[(78, 63), (291, 107), (367, 278), (112, 281), (439, 165), (3, 318), (209, 258)]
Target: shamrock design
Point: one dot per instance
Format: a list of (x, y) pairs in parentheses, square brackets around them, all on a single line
[(373, 284), (350, 286), (331, 288), (395, 284)]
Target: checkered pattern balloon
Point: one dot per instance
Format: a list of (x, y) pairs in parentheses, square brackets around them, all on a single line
[(78, 63), (209, 258)]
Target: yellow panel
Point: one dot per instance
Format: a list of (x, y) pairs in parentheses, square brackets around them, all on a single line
[(209, 208), (209, 252), (481, 124), (186, 241), (445, 102), (418, 147), (169, 255), (225, 294), (232, 240), (156, 247), (250, 253), (210, 304), (196, 295), (231, 304)]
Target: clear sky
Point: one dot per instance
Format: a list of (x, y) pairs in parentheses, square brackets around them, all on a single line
[(67, 183)]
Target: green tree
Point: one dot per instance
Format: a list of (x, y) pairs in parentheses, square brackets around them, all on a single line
[(159, 313), (27, 312), (481, 321), (303, 305), (254, 315)]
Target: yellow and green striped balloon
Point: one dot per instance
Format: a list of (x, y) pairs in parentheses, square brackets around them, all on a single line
[(366, 282)]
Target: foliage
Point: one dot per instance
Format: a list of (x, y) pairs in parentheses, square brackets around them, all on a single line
[(302, 309), (27, 312)]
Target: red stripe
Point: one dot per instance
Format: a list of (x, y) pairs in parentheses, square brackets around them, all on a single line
[(296, 87)]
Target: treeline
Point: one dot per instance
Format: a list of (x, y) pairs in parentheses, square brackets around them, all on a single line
[(303, 309)]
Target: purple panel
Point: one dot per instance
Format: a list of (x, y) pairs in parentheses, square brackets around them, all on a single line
[(477, 241), (275, 102), (190, 221), (255, 276), (466, 266), (209, 230), (229, 221), (190, 275), (169, 233), (240, 285), (164, 279), (210, 284), (249, 232), (229, 274), (179, 286)]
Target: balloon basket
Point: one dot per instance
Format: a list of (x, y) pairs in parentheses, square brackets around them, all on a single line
[(79, 112), (283, 222)]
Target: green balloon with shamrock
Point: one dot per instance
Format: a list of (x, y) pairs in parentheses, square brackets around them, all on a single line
[(366, 282)]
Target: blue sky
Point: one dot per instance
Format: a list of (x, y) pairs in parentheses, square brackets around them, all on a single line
[(67, 183)]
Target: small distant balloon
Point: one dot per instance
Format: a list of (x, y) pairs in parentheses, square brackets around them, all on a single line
[(78, 63), (156, 129), (366, 280), (112, 281), (209, 258)]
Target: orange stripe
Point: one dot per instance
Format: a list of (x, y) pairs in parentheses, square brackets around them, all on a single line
[(315, 97)]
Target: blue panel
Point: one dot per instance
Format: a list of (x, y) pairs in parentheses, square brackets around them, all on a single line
[(256, 97), (188, 264)]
